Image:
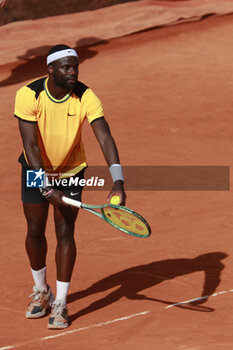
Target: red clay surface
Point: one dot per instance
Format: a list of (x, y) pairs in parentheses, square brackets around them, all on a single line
[(168, 98)]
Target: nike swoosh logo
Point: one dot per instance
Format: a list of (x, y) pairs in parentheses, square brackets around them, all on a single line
[(74, 194), (71, 115)]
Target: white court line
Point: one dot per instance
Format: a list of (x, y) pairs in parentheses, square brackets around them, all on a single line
[(76, 330), (200, 298)]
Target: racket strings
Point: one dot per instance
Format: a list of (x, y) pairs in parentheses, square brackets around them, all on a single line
[(126, 221)]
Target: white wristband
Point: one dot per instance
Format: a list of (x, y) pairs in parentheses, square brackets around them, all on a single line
[(116, 172)]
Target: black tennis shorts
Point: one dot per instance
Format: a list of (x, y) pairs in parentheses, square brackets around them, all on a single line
[(32, 195)]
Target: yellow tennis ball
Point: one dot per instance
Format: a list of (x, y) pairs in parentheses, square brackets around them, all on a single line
[(115, 200)]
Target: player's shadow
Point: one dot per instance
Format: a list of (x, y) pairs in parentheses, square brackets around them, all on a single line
[(32, 64), (131, 282)]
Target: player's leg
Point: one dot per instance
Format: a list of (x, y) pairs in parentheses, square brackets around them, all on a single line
[(36, 247), (36, 213), (64, 218)]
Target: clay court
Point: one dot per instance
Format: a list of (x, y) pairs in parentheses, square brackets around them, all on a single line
[(167, 94)]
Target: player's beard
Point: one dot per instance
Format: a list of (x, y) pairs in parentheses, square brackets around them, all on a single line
[(63, 82)]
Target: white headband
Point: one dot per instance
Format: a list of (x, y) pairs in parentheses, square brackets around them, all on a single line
[(60, 54)]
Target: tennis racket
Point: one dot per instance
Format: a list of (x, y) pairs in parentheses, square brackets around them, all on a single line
[(122, 218)]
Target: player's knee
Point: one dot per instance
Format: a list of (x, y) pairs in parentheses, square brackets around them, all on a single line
[(64, 232), (35, 230)]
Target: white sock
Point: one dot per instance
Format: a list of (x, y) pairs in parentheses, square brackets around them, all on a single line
[(39, 277), (62, 291)]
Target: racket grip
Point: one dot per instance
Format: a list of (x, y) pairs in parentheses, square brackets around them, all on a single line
[(72, 202)]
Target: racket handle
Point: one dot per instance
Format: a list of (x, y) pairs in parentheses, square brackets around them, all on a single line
[(72, 202)]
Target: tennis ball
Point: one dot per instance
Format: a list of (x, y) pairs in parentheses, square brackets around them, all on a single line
[(115, 200)]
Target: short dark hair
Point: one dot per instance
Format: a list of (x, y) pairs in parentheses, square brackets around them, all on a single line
[(58, 48)]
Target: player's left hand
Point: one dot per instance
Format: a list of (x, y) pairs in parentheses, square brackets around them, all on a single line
[(118, 190)]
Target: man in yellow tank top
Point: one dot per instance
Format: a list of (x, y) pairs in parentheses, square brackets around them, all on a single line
[(51, 112)]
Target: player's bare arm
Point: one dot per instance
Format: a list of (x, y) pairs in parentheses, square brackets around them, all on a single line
[(107, 144), (3, 3), (28, 133)]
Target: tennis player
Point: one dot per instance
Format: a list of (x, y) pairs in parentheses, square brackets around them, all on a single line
[(51, 112)]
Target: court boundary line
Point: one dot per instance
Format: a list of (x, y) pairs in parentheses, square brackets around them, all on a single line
[(101, 324), (200, 298)]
